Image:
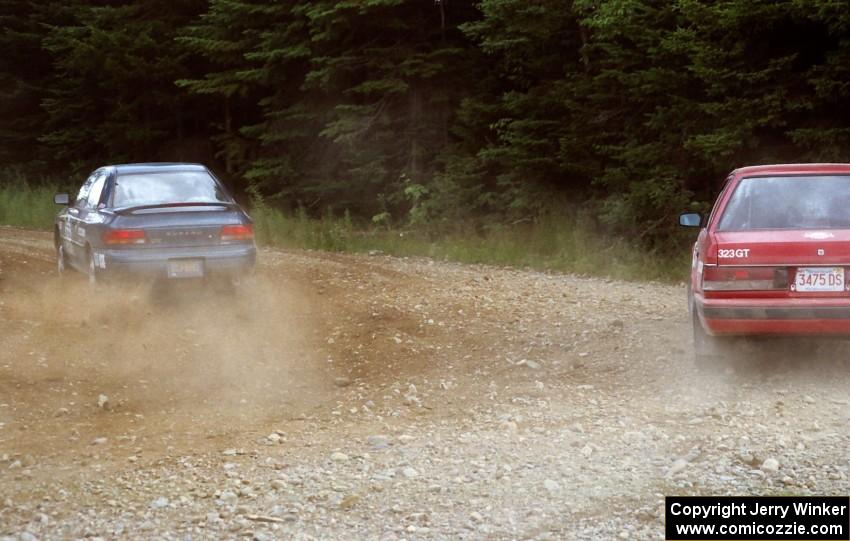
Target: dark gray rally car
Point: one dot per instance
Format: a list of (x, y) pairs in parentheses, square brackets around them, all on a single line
[(159, 220)]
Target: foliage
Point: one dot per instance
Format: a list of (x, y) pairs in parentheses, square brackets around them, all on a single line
[(433, 113), (568, 242), (25, 205), (111, 93)]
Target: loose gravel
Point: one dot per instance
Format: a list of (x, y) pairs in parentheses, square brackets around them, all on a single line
[(386, 398)]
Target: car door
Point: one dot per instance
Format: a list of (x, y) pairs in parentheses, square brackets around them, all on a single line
[(80, 215), (71, 239), (90, 217)]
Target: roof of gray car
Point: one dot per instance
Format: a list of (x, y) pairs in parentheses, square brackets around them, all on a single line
[(129, 168)]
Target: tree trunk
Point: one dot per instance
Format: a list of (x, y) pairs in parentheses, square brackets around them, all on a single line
[(415, 145), (228, 165), (443, 18)]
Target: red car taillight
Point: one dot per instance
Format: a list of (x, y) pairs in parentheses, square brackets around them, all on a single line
[(124, 236), (744, 278), (237, 232)]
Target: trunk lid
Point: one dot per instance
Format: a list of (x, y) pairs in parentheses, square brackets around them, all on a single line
[(784, 247), (789, 263), (181, 226)]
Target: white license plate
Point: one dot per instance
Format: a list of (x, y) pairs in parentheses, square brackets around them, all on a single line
[(819, 279), (185, 268)]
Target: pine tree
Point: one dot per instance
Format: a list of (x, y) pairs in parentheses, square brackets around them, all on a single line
[(221, 37), (383, 78), (24, 73), (530, 142), (697, 88), (112, 94)]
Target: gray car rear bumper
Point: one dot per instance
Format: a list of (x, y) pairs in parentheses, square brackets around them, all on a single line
[(232, 259)]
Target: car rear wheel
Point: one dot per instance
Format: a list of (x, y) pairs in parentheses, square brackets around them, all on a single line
[(228, 285), (709, 351), (92, 273), (244, 281), (61, 263)]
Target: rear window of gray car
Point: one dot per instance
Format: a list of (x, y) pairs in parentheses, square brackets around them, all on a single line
[(788, 202), (137, 189)]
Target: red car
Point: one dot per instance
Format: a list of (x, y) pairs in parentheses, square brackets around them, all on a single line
[(772, 257)]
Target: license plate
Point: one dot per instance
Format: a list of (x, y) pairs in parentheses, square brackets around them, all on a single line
[(819, 279), (185, 268)]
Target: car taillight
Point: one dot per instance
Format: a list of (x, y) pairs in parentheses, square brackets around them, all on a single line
[(124, 236), (744, 278), (237, 232)]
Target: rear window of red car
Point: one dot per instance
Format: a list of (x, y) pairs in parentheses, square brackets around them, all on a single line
[(788, 202)]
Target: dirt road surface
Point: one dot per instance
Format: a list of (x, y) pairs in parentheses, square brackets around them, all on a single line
[(356, 397)]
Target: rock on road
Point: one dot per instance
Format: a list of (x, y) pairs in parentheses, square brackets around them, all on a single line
[(356, 397)]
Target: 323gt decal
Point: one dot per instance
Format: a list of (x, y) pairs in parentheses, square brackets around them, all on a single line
[(727, 254)]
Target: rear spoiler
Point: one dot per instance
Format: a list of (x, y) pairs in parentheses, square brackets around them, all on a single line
[(129, 210)]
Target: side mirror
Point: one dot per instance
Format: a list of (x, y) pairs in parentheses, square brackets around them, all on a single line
[(61, 199), (690, 219)]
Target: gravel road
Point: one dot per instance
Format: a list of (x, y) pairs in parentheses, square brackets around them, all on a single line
[(370, 397)]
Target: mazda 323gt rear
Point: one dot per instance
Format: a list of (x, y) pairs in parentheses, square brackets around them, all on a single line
[(773, 255), (169, 221)]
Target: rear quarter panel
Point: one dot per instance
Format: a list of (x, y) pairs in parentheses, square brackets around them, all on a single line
[(704, 251)]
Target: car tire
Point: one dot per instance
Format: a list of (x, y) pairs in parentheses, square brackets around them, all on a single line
[(710, 352), (61, 261), (231, 286), (93, 273), (246, 280)]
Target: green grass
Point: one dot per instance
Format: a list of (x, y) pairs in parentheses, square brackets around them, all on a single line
[(27, 206), (562, 243), (559, 243)]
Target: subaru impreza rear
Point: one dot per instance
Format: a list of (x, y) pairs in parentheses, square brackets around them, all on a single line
[(772, 257), (163, 221)]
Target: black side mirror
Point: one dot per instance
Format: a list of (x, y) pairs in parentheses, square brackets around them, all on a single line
[(61, 199), (690, 219)]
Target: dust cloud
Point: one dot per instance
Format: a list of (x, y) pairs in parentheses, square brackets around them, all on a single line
[(182, 364)]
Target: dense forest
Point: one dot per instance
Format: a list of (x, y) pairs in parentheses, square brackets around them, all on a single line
[(432, 111)]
